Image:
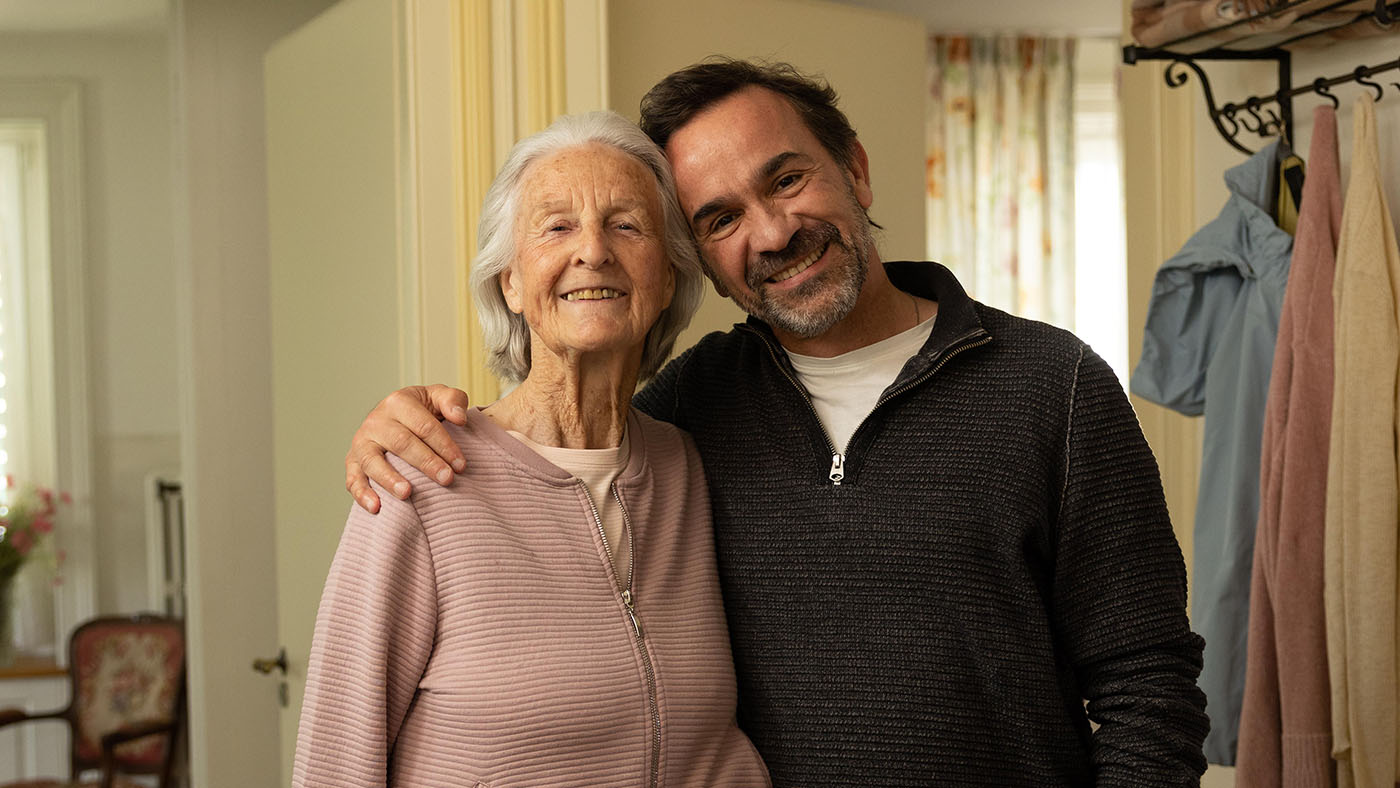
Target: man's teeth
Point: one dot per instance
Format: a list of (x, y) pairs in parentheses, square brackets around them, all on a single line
[(800, 267), (593, 295)]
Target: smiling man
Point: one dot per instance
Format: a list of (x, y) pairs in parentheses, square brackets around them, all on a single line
[(941, 537)]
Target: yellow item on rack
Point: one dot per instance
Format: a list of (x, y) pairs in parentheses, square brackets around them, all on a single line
[(1290, 192)]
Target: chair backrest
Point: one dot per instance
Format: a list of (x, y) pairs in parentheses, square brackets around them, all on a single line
[(125, 670)]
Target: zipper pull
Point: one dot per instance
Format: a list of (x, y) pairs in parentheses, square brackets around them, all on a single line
[(632, 614), (838, 469)]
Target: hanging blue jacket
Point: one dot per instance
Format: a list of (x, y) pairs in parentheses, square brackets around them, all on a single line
[(1208, 348)]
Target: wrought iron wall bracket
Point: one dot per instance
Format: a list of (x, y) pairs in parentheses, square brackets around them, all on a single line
[(1231, 118)]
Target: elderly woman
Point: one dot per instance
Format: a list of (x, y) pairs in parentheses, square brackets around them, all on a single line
[(553, 617)]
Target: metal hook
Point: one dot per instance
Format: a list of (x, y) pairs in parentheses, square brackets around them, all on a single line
[(1360, 75), (1252, 107), (1276, 125), (1227, 116), (1233, 113), (1319, 87), (1382, 14)]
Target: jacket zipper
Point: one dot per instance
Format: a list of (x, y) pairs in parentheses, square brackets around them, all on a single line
[(838, 460), (627, 600)]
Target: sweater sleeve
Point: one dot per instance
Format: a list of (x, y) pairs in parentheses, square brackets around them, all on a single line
[(1120, 596), (374, 635)]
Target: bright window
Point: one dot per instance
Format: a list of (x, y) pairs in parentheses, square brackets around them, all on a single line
[(21, 217), (1101, 262), (20, 154)]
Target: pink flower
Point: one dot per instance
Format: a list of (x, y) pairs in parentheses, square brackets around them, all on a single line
[(9, 481), (61, 555), (23, 542), (65, 497), (43, 524)]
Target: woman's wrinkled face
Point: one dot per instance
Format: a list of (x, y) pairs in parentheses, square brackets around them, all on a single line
[(590, 273)]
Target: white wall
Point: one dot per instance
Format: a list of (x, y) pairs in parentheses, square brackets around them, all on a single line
[(225, 352), (129, 279)]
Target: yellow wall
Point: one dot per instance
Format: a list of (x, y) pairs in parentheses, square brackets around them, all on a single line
[(1159, 187)]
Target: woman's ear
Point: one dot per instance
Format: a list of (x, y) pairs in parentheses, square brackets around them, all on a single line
[(512, 295)]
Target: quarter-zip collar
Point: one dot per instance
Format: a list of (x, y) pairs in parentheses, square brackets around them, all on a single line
[(957, 324), (958, 329)]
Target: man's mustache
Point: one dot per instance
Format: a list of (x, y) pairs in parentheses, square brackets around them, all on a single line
[(803, 242)]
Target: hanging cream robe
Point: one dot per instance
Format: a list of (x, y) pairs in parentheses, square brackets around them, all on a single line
[(1363, 480)]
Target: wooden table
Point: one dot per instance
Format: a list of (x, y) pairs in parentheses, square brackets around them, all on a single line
[(33, 749), (28, 666)]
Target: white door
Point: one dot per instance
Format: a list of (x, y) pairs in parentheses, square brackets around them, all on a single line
[(355, 178)]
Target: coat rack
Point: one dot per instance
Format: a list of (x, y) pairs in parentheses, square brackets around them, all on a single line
[(1257, 114)]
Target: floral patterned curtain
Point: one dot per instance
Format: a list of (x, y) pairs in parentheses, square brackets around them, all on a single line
[(1000, 170)]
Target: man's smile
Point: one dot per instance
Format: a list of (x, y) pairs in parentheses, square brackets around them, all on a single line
[(801, 266)]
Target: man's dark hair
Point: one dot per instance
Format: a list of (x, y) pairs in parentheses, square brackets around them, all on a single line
[(682, 95)]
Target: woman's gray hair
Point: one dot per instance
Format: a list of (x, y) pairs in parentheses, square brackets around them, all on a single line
[(507, 335)]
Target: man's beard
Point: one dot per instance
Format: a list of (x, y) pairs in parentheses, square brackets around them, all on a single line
[(813, 307)]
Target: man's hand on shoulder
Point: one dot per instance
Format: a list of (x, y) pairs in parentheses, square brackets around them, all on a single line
[(407, 423)]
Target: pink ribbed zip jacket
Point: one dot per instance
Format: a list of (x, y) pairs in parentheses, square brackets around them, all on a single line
[(476, 634)]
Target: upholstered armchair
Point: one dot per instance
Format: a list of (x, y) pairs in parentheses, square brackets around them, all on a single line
[(127, 678)]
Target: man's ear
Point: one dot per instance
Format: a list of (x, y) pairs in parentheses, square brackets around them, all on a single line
[(859, 170)]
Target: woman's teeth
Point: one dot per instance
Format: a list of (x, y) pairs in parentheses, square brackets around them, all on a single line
[(800, 267), (593, 295)]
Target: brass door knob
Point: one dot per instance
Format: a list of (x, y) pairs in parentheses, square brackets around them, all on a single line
[(268, 665)]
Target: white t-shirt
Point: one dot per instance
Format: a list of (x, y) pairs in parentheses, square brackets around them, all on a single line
[(844, 388), (598, 468)]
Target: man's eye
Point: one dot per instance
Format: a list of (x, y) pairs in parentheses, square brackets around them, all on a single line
[(721, 222), (786, 181)]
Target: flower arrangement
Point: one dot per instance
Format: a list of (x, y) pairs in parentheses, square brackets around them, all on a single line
[(26, 526)]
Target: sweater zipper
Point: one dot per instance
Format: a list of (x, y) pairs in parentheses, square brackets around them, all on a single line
[(838, 460), (627, 600)]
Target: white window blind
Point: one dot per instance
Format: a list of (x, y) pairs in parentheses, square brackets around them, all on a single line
[(21, 153)]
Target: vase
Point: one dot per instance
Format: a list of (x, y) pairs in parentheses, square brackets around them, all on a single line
[(7, 621)]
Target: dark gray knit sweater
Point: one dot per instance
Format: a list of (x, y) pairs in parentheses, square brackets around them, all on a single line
[(997, 553)]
